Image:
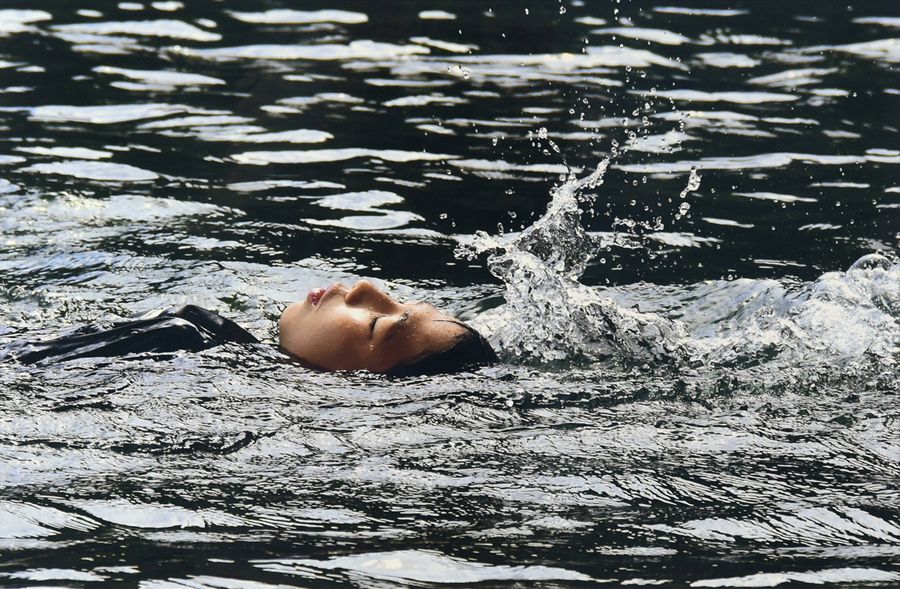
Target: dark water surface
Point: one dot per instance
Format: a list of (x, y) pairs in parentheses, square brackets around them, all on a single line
[(741, 428)]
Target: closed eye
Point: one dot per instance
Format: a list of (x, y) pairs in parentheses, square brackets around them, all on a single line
[(396, 326), (391, 328)]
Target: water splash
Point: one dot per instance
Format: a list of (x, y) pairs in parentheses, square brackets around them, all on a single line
[(841, 319), (549, 316)]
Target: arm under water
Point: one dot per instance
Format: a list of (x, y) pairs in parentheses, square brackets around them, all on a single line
[(189, 328), (360, 328)]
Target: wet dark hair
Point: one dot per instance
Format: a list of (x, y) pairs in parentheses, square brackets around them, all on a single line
[(470, 350)]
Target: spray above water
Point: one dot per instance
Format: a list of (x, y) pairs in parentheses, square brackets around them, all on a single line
[(549, 316), (842, 318)]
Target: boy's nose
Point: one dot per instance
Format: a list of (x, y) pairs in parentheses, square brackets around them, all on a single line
[(366, 293)]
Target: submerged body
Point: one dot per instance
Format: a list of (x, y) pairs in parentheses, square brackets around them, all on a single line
[(339, 328), (189, 328)]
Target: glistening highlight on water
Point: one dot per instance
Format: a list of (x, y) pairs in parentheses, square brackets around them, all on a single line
[(677, 222)]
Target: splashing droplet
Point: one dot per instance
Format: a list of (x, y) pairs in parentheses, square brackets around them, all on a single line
[(692, 185), (549, 316)]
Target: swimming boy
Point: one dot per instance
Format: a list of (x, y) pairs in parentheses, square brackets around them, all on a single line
[(338, 328)]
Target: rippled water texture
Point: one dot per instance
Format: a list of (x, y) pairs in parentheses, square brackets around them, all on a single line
[(697, 389)]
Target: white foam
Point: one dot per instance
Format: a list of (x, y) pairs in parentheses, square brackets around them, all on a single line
[(684, 239), (337, 97), (7, 187), (507, 72), (885, 21), (727, 222), (503, 166), (260, 158), (591, 21), (860, 185), (774, 196), (793, 78), (296, 17), (887, 50), (174, 29), (736, 97), (359, 201), (154, 516), (196, 121), (104, 115), (239, 134), (759, 161), (260, 185), (362, 49), (851, 575), (16, 21), (425, 566), (394, 82), (605, 56), (424, 99), (436, 129), (660, 36), (385, 220), (23, 520), (167, 5), (119, 208), (445, 45), (101, 44), (12, 16), (161, 77), (744, 40), (699, 11), (81, 153), (436, 15), (89, 170), (726, 59), (55, 575), (662, 143)]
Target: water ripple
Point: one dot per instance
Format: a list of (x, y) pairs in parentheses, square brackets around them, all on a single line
[(103, 171), (174, 29), (739, 429), (422, 566)]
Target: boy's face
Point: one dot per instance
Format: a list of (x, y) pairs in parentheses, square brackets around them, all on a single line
[(363, 328)]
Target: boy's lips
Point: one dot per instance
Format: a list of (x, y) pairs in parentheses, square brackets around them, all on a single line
[(315, 295)]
